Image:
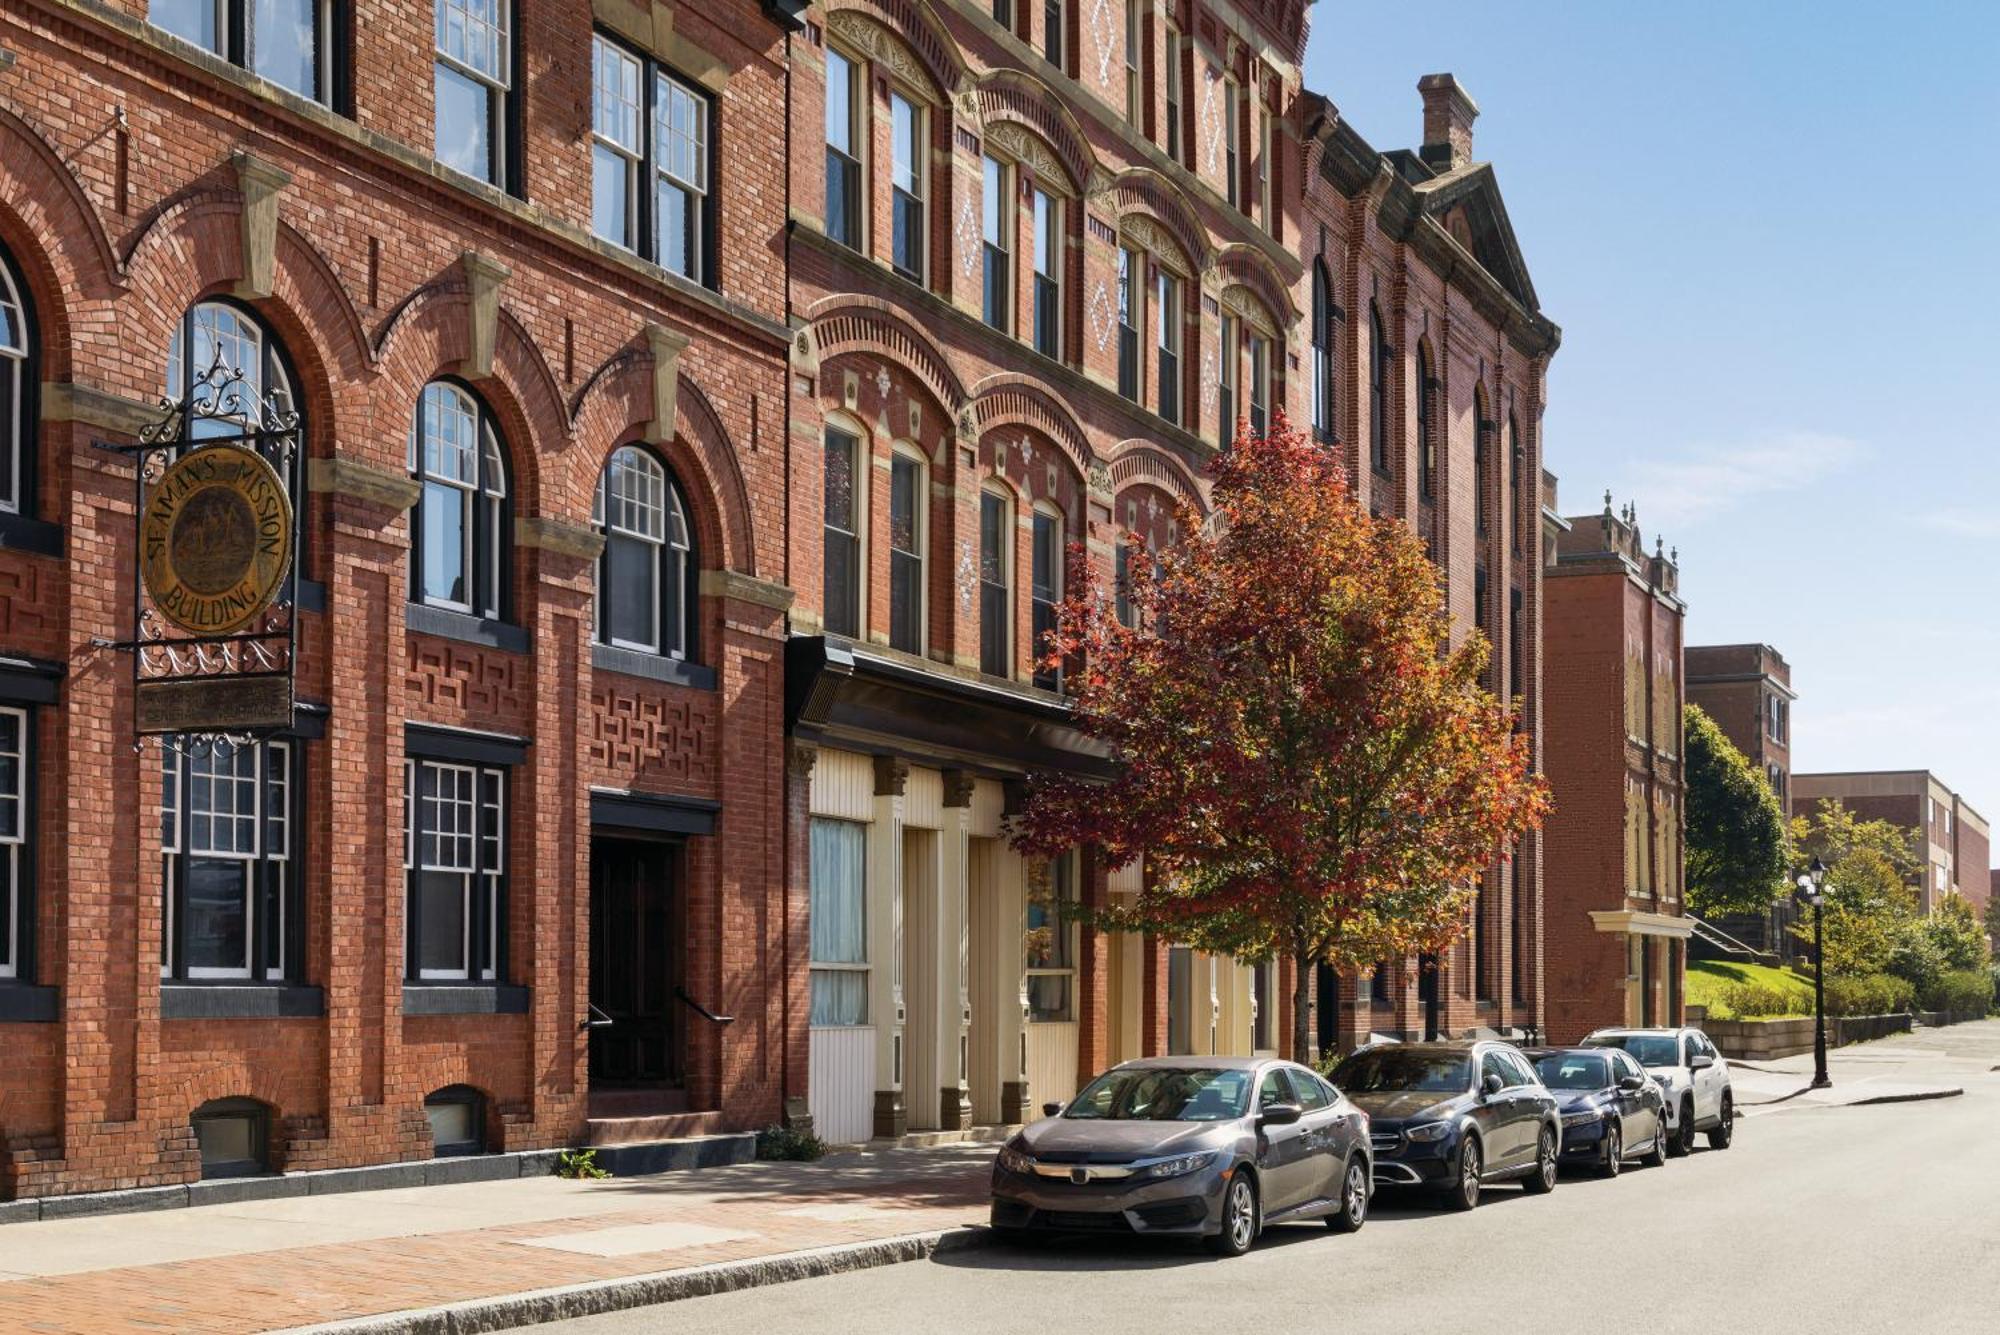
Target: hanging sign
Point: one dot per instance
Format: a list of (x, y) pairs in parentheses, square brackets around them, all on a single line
[(215, 541)]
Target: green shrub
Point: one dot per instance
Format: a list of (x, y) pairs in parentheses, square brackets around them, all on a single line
[(1869, 994), (1754, 1001), (785, 1142), (1961, 991), (579, 1164)]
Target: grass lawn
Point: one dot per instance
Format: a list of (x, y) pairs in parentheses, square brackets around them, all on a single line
[(1708, 979)]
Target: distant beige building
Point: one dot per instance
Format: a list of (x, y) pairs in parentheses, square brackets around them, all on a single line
[(1953, 839)]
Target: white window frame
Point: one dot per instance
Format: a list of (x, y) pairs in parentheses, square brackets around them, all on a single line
[(261, 805), (910, 181), (1171, 141), (863, 469), (1169, 337), (14, 847), (1131, 315), (1066, 927), (1266, 143), (1257, 351), (1007, 536), (634, 124), (618, 114), (17, 433), (906, 453), (645, 505), (242, 53), (1040, 511), (863, 966), (1134, 46), (480, 859), (855, 155), (459, 24), (1232, 123), (482, 495), (997, 234), (1050, 236), (1228, 348)]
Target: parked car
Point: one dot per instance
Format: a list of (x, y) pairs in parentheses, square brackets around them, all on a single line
[(1692, 1074), (1211, 1147), (1454, 1117), (1611, 1109)]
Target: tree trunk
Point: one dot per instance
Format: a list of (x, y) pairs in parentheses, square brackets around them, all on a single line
[(1302, 1037)]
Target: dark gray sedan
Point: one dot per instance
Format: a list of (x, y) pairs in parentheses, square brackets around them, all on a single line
[(1210, 1147)]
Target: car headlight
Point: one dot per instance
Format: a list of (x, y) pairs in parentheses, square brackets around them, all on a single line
[(1180, 1165), (1429, 1131), (1579, 1119), (1013, 1161)]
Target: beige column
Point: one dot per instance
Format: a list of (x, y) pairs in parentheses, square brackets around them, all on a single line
[(885, 942), (1011, 980), (954, 994)]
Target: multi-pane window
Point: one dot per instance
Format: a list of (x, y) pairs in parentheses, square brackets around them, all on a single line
[(1131, 270), (908, 151), (285, 41), (1426, 425), (454, 854), (1232, 127), (842, 541), (461, 533), (1051, 944), (17, 383), (1378, 390), (1265, 145), (228, 855), (1173, 68), (1045, 590), (473, 83), (1226, 351), (844, 89), (16, 823), (839, 922), (1259, 350), (1134, 44), (906, 554), (1322, 353), (1048, 273), (1054, 20), (997, 244), (1167, 319), (996, 593), (646, 573), (1003, 13), (649, 161)]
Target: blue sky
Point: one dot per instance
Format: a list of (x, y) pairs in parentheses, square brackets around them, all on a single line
[(1768, 231)]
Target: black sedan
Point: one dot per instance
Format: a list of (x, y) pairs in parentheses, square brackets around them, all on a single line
[(1610, 1111), (1454, 1117)]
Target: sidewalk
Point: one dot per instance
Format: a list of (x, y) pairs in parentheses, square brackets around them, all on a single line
[(304, 1261), (1926, 1064)]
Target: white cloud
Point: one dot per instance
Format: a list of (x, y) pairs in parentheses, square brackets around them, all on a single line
[(1962, 521), (1704, 480)]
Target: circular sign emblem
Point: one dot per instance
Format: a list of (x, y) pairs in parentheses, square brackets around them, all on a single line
[(216, 539)]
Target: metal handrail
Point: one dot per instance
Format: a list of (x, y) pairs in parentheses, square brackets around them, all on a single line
[(1722, 940), (680, 994), (597, 1019)]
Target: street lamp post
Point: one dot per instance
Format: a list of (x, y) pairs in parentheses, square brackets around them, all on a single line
[(1812, 892)]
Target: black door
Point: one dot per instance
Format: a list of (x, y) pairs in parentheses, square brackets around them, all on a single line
[(635, 962), (1327, 989)]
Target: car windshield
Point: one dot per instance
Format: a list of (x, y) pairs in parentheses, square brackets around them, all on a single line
[(1155, 1095), (1573, 1070), (1650, 1049), (1387, 1070)]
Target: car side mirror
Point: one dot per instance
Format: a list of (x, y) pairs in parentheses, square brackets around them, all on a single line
[(1491, 1085), (1701, 1062), (1279, 1114), (1631, 1084), (1051, 1109)]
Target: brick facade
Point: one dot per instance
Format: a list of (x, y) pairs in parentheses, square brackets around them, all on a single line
[(1747, 690), (1951, 839)]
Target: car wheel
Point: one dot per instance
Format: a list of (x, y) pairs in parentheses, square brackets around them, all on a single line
[(1657, 1156), (1614, 1150), (1353, 1211), (1463, 1193), (1682, 1143), (1239, 1217), (1548, 1162), (1724, 1131)]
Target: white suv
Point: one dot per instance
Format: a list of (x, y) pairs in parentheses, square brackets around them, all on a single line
[(1694, 1076)]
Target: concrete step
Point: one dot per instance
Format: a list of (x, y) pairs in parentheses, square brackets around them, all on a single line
[(668, 1156), (649, 1128), (923, 1140)]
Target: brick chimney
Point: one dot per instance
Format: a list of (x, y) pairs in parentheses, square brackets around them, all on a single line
[(1448, 115)]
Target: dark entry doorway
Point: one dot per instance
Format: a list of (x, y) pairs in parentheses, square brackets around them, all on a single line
[(636, 950)]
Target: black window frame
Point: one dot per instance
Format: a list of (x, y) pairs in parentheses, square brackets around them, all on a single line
[(670, 595), (333, 83), (908, 510), (1427, 387), (459, 1096), (844, 618), (1482, 472), (505, 108), (1380, 352), (1131, 289), (487, 937), (1514, 456), (1322, 354), (1258, 347), (1228, 347), (491, 535), (274, 882), (643, 204), (21, 427), (230, 1109), (1055, 35)]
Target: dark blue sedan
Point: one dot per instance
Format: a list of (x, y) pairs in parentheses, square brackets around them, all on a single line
[(1611, 1111)]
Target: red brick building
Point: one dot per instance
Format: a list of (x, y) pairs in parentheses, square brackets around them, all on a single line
[(1950, 838), (1616, 931), (1747, 690), (277, 959)]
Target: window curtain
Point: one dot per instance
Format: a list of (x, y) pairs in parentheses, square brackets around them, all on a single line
[(839, 922)]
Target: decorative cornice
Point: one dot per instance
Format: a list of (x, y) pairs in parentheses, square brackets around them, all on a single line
[(746, 588), (891, 773), (560, 536), (363, 482), (958, 786), (801, 758)]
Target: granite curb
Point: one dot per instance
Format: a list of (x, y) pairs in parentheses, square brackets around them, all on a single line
[(509, 1311)]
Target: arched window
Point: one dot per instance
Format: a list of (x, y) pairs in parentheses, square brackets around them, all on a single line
[(220, 333), (909, 494), (1515, 456), (18, 378), (646, 578), (1046, 588), (1322, 353), (1426, 425), (844, 509), (996, 583), (461, 530), (1482, 466), (1378, 389)]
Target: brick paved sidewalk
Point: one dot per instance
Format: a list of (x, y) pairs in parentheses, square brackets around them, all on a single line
[(272, 1264)]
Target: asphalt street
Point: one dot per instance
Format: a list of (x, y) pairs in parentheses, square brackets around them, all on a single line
[(1819, 1219)]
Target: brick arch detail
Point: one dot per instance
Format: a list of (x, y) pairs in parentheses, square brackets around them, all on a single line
[(1018, 97), (1012, 399), (1244, 265), (1143, 191), (845, 325), (41, 194), (1138, 461), (918, 27)]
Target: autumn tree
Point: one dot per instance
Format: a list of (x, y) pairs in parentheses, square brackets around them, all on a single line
[(1310, 767), (1735, 832)]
